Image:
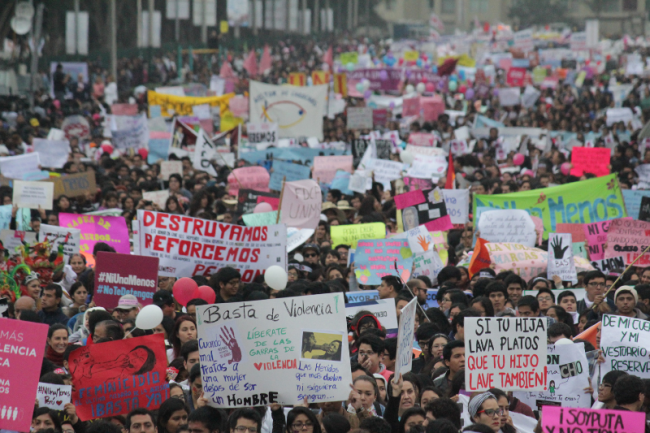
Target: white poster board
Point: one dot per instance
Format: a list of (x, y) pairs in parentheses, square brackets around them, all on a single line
[(167, 168), (274, 351), (55, 235), (625, 342), (157, 197), (14, 167), (457, 202), (262, 135), (382, 309), (560, 257), (53, 396), (405, 338), (54, 153), (508, 353), (32, 195), (511, 225), (359, 118)]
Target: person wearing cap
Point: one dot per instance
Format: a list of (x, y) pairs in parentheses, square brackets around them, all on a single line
[(484, 409), (165, 300), (311, 253), (626, 299), (127, 307)]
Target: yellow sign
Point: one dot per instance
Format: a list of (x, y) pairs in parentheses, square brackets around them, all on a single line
[(351, 57), (182, 105), (350, 234), (320, 77), (223, 26), (341, 84), (228, 121), (411, 56), (297, 79)]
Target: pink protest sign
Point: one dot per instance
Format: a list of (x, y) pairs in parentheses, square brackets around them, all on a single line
[(301, 204), (539, 228), (422, 139), (325, 167), (121, 274), (575, 419), (256, 178), (124, 109), (628, 238), (415, 183), (432, 107), (22, 345), (593, 160), (239, 106), (577, 231), (411, 107), (596, 238), (111, 230), (402, 201), (524, 261), (379, 116), (273, 201)]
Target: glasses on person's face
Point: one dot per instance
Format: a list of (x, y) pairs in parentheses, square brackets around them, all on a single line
[(243, 429), (369, 353), (179, 396), (491, 412), (302, 426), (544, 298), (311, 255), (604, 385), (597, 284)]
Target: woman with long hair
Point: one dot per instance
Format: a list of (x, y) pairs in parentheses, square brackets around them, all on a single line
[(173, 206), (201, 202), (184, 331), (172, 414)]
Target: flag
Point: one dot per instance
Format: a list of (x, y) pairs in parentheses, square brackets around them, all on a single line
[(451, 173), (250, 64), (329, 58), (226, 71), (480, 257), (341, 85), (297, 79), (265, 61), (589, 334)]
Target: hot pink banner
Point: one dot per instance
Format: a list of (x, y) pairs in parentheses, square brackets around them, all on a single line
[(411, 107), (23, 344), (574, 419), (256, 178), (111, 230), (407, 199)]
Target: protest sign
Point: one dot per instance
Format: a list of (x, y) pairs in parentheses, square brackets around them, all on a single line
[(262, 135), (362, 296), (508, 353), (509, 96), (633, 200), (411, 107), (644, 209), (428, 264), (385, 171), (204, 152), (359, 118), (23, 346), (587, 201), (341, 182), (194, 246), (301, 204), (415, 183), (457, 202), (53, 153), (428, 167), (121, 274), (577, 231), (124, 109), (624, 342), (567, 378), (349, 57), (289, 172), (359, 147), (628, 238), (596, 237), (182, 105), (424, 207), (325, 167), (248, 363), (115, 377), (558, 419), (33, 195), (459, 147), (111, 230), (419, 239), (298, 111), (297, 237), (422, 139), (255, 177), (167, 168), (129, 132), (359, 183), (560, 257), (376, 258), (12, 240), (157, 197), (379, 117), (74, 185), (405, 338), (76, 126), (349, 234), (14, 167), (516, 77), (594, 160), (514, 226), (260, 218), (247, 199), (613, 264), (69, 238), (53, 396), (382, 309)]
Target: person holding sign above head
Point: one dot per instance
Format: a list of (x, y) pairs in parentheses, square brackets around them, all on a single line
[(484, 409)]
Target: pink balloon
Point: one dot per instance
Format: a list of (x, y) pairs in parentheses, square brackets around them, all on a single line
[(424, 79), (462, 89), (107, 148), (143, 153), (430, 87), (518, 159), (263, 207), (184, 290), (565, 168), (207, 294)]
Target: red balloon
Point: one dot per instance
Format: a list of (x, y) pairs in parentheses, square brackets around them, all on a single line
[(184, 290), (207, 294), (143, 153), (107, 148)]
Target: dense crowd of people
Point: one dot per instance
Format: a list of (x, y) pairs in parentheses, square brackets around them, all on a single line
[(426, 399)]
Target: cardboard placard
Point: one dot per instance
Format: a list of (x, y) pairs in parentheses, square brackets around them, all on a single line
[(70, 238), (74, 185), (405, 338), (560, 257), (559, 419), (301, 204), (33, 195), (629, 238)]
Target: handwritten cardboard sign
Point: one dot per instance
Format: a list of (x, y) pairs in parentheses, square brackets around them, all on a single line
[(590, 160), (23, 345), (121, 274), (560, 419), (108, 229), (350, 234), (624, 342), (33, 195), (596, 237), (256, 178), (289, 172), (405, 338), (74, 185), (115, 377), (70, 238), (167, 168), (457, 202), (53, 396), (262, 135), (560, 257), (628, 238), (301, 204), (507, 226), (325, 167), (508, 353), (359, 118), (275, 351), (376, 258)]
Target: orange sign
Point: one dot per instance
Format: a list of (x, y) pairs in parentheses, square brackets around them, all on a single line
[(297, 79), (341, 84), (320, 77)]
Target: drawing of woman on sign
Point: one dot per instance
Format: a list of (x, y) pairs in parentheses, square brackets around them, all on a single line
[(410, 218)]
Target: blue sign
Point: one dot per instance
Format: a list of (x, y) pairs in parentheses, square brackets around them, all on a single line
[(288, 169)]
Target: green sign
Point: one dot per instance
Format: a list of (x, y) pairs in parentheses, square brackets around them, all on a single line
[(581, 202), (260, 219), (350, 57)]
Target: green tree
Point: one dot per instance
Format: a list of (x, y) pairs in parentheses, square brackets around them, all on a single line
[(538, 12)]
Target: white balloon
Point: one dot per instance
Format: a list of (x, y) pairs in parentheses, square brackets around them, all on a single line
[(563, 342), (410, 88), (421, 88), (366, 84), (406, 157), (276, 278), (149, 317)]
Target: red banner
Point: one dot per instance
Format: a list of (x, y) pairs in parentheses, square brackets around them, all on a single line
[(114, 378), (516, 77)]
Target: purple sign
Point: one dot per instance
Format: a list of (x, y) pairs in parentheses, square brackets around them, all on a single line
[(380, 79), (415, 76)]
